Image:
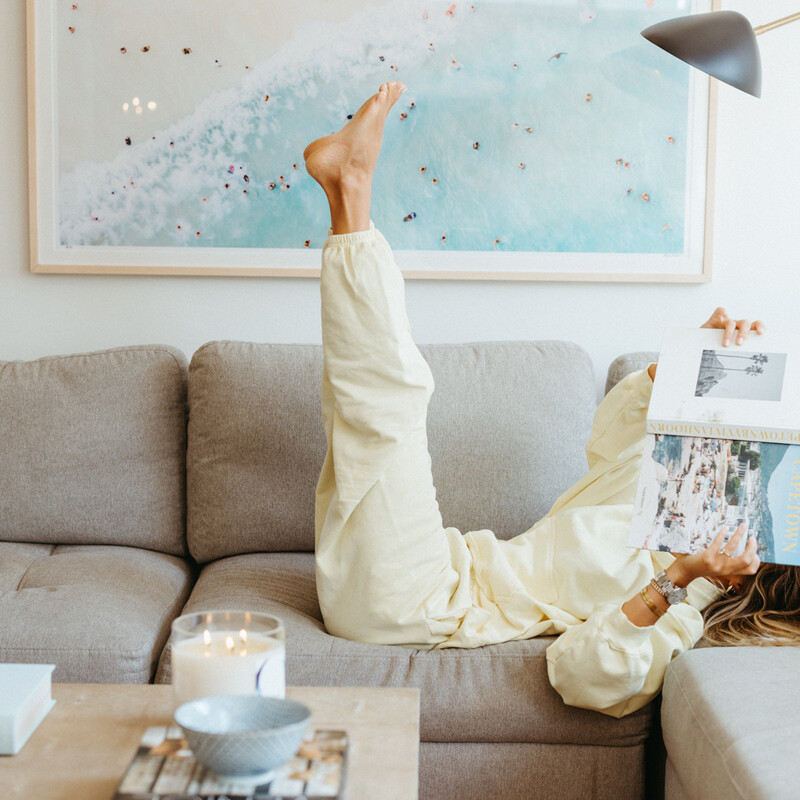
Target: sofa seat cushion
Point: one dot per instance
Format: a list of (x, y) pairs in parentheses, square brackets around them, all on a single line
[(507, 426), (93, 449), (498, 693), (731, 723), (100, 613)]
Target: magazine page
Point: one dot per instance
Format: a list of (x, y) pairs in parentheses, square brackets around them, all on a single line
[(749, 391), (165, 767), (691, 487)]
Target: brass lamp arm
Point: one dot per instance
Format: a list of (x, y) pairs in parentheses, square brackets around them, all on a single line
[(777, 23)]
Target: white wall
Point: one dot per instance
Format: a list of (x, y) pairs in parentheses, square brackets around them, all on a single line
[(756, 256)]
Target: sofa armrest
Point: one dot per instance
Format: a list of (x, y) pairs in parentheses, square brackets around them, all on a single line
[(731, 722)]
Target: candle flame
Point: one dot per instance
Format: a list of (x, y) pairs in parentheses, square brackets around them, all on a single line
[(207, 637), (230, 644), (243, 635)]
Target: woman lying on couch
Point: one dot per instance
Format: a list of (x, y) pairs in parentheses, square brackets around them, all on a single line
[(389, 572)]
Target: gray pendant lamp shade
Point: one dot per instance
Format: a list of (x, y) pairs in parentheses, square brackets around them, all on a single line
[(721, 44)]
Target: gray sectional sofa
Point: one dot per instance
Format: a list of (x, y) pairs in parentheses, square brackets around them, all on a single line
[(135, 487)]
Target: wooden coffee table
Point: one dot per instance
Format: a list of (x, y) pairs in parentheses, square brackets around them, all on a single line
[(84, 745)]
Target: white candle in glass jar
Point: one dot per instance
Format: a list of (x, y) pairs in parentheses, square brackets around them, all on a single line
[(228, 662)]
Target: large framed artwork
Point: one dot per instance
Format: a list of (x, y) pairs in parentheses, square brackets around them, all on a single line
[(539, 139)]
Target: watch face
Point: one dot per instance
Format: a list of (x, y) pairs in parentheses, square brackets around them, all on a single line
[(672, 594), (676, 595)]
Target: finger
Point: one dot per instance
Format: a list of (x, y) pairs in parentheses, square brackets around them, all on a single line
[(755, 560), (719, 541), (727, 546), (730, 327), (716, 319), (742, 328), (758, 327), (749, 561), (749, 552), (733, 543)]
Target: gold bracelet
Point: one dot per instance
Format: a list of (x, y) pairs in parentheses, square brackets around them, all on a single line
[(650, 604)]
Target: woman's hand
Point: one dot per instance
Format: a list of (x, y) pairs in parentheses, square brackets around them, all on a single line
[(717, 560), (742, 327), (720, 319)]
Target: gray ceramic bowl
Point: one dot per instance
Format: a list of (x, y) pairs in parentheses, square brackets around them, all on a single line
[(243, 735)]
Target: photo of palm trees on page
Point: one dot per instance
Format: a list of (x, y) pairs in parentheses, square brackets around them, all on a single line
[(728, 374), (723, 446)]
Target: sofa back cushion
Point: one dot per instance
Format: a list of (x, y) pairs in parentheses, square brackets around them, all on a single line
[(92, 449), (507, 426)]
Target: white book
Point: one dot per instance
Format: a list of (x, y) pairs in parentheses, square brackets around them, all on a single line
[(25, 700), (748, 392)]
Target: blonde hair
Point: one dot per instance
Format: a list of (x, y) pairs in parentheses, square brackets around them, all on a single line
[(765, 612)]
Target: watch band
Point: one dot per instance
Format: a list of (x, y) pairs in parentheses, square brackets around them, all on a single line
[(667, 589)]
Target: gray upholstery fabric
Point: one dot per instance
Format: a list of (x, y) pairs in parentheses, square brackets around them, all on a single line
[(499, 693), (92, 449), (731, 723), (626, 363), (101, 614), (530, 772), (256, 446), (507, 426)]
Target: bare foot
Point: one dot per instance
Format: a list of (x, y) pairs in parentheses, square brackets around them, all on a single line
[(343, 163), (355, 148)]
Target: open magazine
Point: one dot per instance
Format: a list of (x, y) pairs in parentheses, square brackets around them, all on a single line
[(165, 768), (723, 446)]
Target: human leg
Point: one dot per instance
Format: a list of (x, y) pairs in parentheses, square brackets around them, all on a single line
[(387, 571)]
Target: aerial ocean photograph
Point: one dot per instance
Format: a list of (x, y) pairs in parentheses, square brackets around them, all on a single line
[(527, 126)]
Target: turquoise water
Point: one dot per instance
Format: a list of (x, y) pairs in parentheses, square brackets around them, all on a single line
[(571, 196), (779, 467)]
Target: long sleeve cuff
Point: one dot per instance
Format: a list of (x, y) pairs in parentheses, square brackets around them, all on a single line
[(617, 628)]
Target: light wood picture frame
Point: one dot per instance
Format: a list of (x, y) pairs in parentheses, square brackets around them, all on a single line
[(538, 140)]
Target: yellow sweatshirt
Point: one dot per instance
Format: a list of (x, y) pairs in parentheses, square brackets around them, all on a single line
[(571, 572)]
